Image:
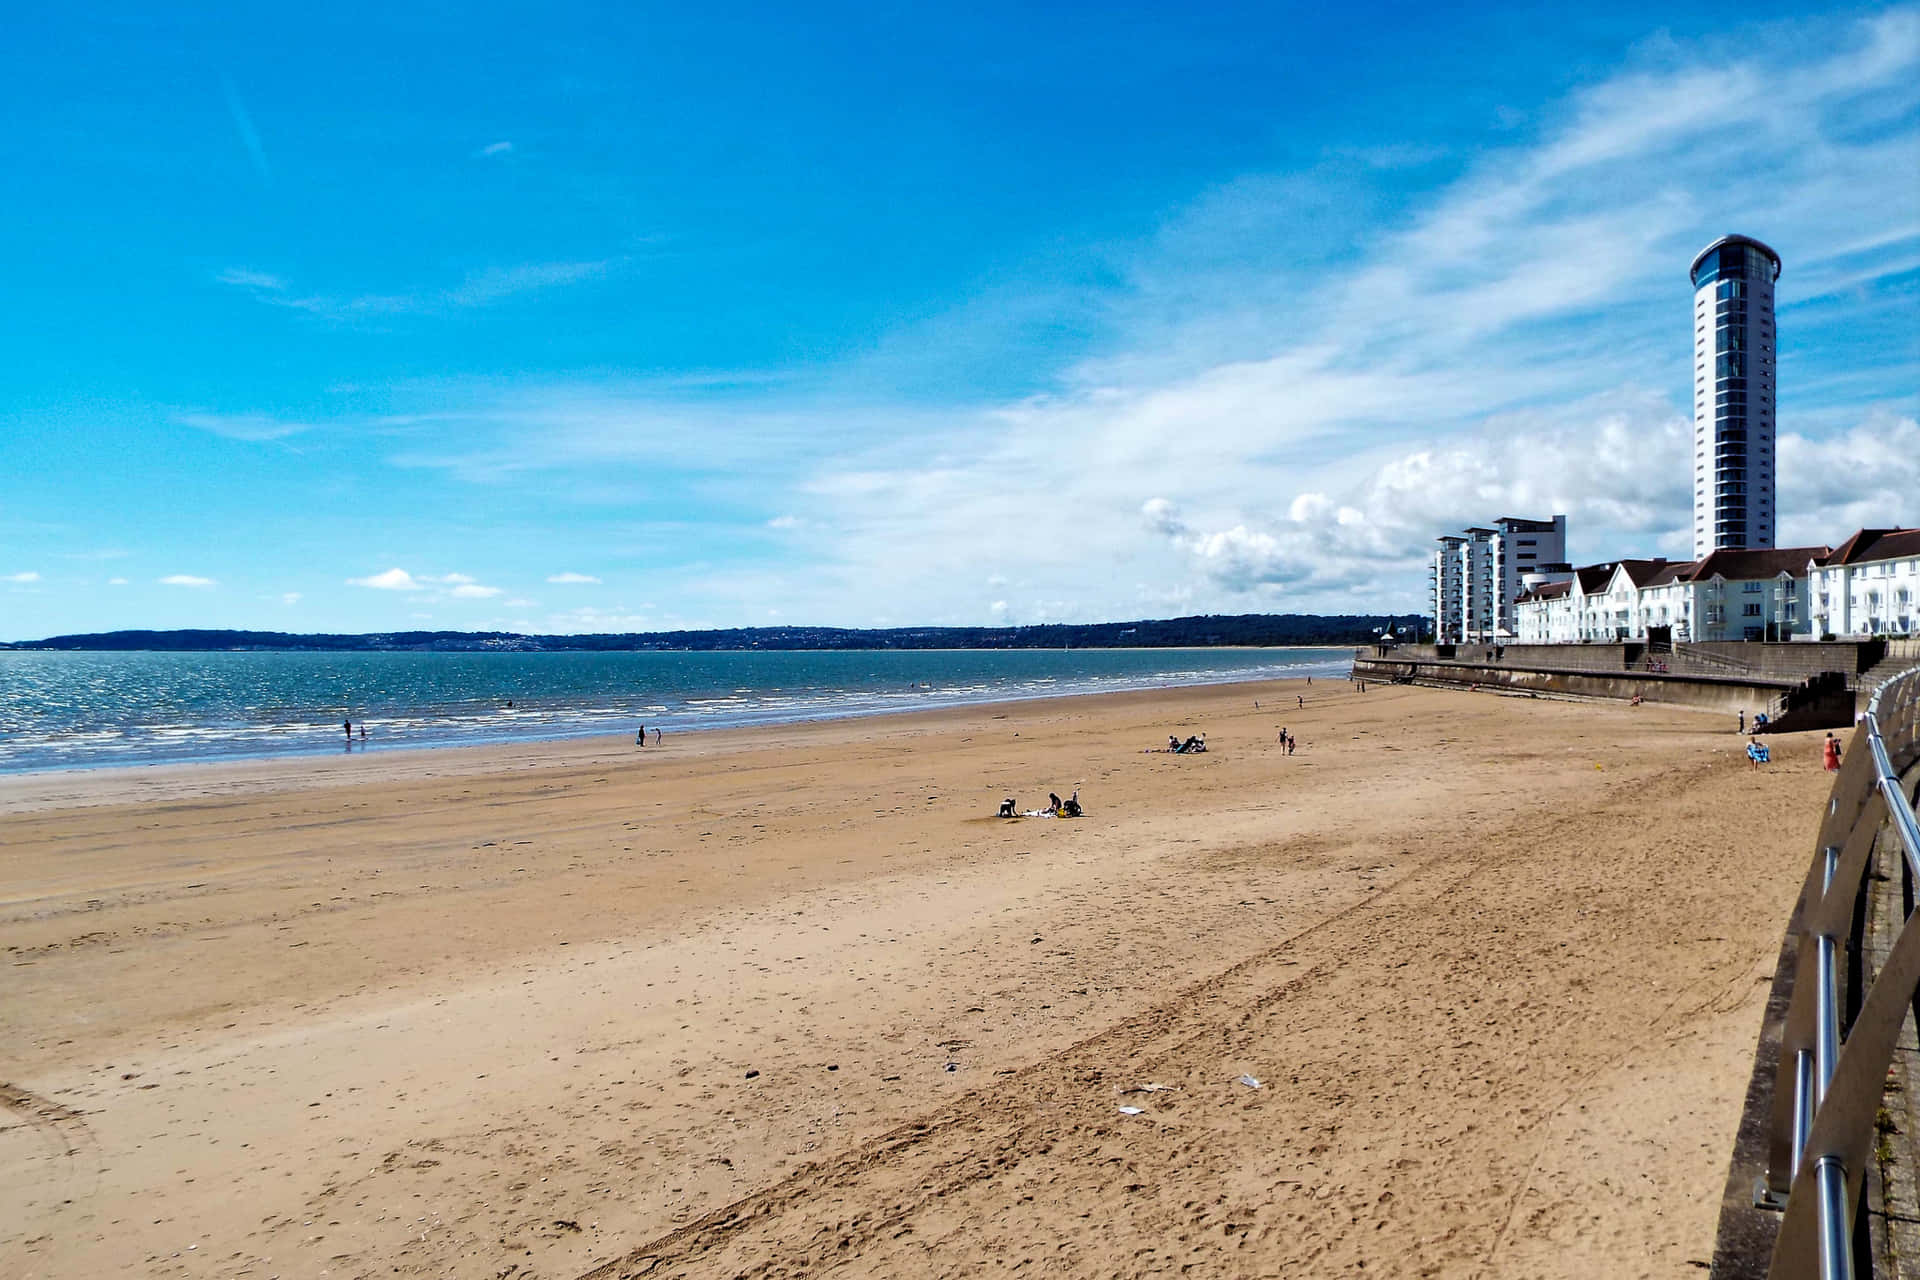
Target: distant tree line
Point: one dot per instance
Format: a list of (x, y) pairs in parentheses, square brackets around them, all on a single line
[(1200, 631)]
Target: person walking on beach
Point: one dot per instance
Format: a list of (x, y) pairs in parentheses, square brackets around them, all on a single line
[(640, 738), (347, 727), (656, 737), (1830, 751), (1301, 701), (1292, 742)]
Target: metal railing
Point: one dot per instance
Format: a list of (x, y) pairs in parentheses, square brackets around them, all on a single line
[(1828, 1084)]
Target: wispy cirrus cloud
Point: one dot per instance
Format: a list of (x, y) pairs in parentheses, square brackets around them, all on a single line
[(572, 579), (23, 577), (255, 427), (479, 288), (248, 135), (187, 580), (501, 148)]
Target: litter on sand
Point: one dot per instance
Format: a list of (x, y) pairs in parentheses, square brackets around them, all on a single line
[(1147, 1088), (1250, 1082), (1133, 1111)]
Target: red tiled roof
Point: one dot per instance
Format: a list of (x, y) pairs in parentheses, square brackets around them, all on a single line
[(1640, 571), (1875, 544), (1594, 577), (1547, 591), (1749, 565), (1669, 572)]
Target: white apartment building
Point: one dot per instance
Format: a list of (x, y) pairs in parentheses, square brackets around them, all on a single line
[(1521, 547), (1476, 576), (1869, 585), (1728, 595), (1447, 590), (1733, 395)]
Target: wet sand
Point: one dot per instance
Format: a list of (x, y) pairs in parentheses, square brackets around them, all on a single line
[(783, 1001)]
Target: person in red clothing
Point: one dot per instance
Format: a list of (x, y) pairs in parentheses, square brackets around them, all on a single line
[(1830, 750)]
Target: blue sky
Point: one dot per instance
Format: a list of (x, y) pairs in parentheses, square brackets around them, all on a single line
[(558, 319)]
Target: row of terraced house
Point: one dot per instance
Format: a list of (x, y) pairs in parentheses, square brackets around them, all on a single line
[(1867, 586)]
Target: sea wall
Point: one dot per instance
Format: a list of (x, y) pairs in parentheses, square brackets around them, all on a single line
[(1729, 694)]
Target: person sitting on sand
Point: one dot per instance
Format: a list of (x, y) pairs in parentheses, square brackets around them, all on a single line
[(1071, 809), (1053, 803), (1007, 808), (1173, 743)]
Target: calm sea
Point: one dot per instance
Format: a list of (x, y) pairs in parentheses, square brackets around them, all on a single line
[(76, 710)]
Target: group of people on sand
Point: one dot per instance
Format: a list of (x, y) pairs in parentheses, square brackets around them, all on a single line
[(640, 738), (1287, 740), (1759, 753), (1194, 744), (1056, 807)]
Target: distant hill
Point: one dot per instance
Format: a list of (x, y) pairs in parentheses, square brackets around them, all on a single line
[(1210, 630)]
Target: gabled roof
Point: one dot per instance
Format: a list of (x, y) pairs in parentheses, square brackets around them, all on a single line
[(1547, 591), (1593, 578), (1875, 544), (1666, 573), (1639, 572), (1750, 565)]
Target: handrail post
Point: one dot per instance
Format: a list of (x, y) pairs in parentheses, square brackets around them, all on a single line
[(1826, 1027), (1836, 1232)]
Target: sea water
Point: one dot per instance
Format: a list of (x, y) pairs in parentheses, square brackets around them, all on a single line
[(78, 710)]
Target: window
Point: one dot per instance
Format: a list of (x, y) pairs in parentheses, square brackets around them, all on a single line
[(1751, 588), (1750, 610)]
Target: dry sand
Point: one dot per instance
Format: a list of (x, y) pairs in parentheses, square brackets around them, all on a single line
[(790, 1001)]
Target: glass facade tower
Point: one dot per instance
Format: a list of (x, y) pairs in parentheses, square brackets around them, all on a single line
[(1733, 395)]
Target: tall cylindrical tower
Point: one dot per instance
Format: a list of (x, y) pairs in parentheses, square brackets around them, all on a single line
[(1733, 390)]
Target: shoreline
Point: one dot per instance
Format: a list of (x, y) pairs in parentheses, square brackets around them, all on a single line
[(31, 790), (508, 740)]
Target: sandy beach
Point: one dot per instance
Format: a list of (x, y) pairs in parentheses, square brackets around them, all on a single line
[(784, 1001)]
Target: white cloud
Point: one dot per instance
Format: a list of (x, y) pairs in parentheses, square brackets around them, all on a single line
[(391, 580), (116, 582), (523, 604), (455, 577), (570, 578), (496, 148), (242, 426), (784, 522), (474, 591), (478, 288), (290, 597), (186, 580), (242, 278), (25, 576)]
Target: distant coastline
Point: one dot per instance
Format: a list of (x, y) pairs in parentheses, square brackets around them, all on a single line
[(1204, 631)]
